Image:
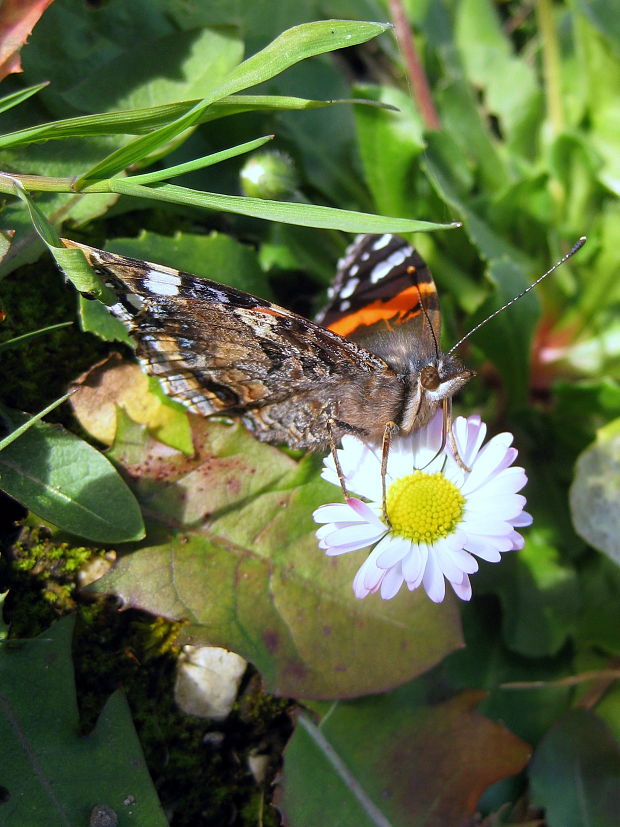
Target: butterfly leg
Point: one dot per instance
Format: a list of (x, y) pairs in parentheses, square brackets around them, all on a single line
[(333, 446), (447, 432), (390, 429)]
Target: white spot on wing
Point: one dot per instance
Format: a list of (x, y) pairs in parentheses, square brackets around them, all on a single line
[(162, 283), (349, 288), (382, 241), (381, 270)]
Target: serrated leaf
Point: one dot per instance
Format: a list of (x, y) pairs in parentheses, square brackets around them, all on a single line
[(50, 775), (66, 481)]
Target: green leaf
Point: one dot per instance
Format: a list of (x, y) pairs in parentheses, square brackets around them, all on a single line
[(595, 491), (367, 757), (290, 47), (50, 774), (248, 574), (510, 85), (188, 62), (539, 592), (215, 256), (506, 340), (66, 481), (575, 773), (307, 215), (388, 174)]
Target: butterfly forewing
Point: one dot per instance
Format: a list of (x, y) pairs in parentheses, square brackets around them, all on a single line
[(222, 351)]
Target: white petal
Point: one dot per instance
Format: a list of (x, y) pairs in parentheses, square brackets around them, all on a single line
[(433, 580), (463, 589), (469, 435), (414, 564), (517, 541), (484, 524), (336, 513), (357, 533), (505, 507), (508, 481), (466, 563), (391, 583), (393, 550), (492, 458), (484, 549), (523, 520), (446, 560), (365, 511)]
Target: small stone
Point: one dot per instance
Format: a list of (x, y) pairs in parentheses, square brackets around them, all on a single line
[(208, 680)]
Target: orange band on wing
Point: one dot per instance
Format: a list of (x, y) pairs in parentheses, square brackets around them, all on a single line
[(402, 306)]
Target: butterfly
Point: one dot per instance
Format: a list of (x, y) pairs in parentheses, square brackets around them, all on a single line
[(371, 364)]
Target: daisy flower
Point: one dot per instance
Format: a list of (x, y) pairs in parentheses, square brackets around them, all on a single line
[(441, 517)]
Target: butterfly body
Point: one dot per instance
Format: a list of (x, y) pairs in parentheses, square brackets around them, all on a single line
[(373, 359)]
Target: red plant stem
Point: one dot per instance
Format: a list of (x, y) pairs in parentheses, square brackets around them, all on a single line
[(415, 70)]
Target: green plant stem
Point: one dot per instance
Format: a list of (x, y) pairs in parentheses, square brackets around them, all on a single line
[(551, 64)]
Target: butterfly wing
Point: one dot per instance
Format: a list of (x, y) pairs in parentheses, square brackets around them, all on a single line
[(220, 350), (383, 286)]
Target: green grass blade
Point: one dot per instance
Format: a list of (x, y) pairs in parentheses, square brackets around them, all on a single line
[(304, 215), (14, 99), (140, 121), (200, 163), (15, 434), (21, 340)]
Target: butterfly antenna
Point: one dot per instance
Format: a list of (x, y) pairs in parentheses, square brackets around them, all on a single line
[(575, 248), (423, 309)]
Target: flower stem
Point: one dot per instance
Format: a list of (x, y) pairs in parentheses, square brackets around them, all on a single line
[(551, 64), (415, 70)]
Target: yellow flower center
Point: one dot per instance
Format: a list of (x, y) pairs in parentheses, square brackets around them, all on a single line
[(424, 507)]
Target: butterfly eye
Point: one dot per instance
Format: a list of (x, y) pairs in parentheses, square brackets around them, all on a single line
[(429, 378)]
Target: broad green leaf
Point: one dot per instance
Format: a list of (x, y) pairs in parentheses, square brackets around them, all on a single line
[(506, 340), (510, 84), (290, 47), (307, 215), (50, 774), (602, 17), (215, 256), (599, 618), (248, 574), (539, 593), (575, 773), (389, 174), (595, 491), (67, 482), (391, 760), (188, 63)]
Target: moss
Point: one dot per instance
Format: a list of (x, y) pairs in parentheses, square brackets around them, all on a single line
[(199, 767), (35, 373)]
